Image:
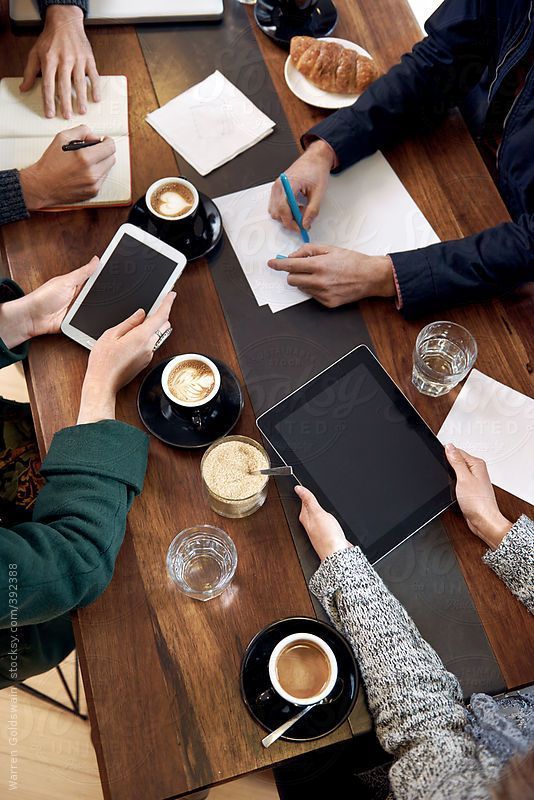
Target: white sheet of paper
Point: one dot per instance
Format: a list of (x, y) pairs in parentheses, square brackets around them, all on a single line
[(496, 423), (211, 123), (366, 208)]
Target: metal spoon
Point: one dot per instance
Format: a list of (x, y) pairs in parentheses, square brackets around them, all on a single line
[(274, 735), (273, 471)]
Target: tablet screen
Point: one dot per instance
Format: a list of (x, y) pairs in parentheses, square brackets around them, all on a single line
[(132, 278), (359, 445)]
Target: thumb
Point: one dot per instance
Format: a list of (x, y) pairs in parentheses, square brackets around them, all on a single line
[(30, 73), (309, 501), (83, 273), (457, 460), (129, 324)]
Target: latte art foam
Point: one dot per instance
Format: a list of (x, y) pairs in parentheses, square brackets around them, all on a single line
[(191, 381), (172, 200)]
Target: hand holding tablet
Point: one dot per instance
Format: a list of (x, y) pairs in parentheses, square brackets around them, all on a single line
[(136, 272), (359, 445)]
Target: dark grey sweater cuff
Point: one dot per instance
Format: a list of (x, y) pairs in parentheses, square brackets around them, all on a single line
[(43, 5), (12, 205)]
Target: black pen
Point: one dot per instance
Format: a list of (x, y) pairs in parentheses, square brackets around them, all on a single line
[(78, 144)]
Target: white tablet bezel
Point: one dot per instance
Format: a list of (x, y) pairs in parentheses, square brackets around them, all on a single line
[(136, 233)]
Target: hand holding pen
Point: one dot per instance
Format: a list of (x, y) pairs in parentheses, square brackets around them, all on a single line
[(308, 176), (62, 177)]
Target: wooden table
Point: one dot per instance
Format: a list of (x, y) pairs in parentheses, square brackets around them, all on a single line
[(161, 671)]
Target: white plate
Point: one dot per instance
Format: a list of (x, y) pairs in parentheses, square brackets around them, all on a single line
[(305, 90)]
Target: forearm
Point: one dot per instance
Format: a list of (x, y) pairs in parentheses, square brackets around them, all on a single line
[(13, 346), (12, 204), (467, 270), (411, 695), (416, 93), (97, 401), (45, 4), (65, 557), (513, 561)]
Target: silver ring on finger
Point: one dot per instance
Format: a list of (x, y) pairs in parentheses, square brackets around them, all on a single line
[(162, 336)]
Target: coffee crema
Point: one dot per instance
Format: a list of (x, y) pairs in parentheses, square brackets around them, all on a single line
[(303, 669), (191, 381), (172, 200)]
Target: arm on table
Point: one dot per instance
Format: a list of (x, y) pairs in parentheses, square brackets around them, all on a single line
[(44, 4), (415, 702), (12, 205), (513, 561), (416, 93), (65, 557), (469, 269)]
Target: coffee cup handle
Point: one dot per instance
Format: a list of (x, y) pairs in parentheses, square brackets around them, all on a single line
[(197, 419)]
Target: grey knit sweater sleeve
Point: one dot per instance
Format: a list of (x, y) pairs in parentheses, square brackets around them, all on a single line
[(415, 702), (513, 561), (12, 205), (43, 5)]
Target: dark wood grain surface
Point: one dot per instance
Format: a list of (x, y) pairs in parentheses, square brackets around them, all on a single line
[(447, 178), (161, 671)]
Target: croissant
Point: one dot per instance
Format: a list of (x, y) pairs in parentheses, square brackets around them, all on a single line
[(332, 67)]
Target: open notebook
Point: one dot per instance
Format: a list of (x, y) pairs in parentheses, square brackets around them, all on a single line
[(25, 133)]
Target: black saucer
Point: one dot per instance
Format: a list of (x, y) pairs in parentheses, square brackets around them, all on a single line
[(167, 424), (195, 236), (281, 25), (269, 709)]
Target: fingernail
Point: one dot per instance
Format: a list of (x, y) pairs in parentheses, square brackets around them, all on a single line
[(49, 114), (82, 109), (450, 447)]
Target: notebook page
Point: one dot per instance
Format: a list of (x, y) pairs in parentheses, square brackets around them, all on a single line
[(22, 113), (21, 153)]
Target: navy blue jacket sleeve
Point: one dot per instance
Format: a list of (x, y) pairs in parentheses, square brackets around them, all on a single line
[(416, 93), (468, 269)]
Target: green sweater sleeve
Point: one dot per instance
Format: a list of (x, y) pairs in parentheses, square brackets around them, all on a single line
[(65, 557), (9, 290)]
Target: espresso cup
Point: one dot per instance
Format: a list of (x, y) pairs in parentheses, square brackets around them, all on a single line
[(157, 185), (189, 392), (303, 669)]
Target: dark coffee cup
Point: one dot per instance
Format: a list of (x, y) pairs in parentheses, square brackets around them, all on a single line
[(191, 383)]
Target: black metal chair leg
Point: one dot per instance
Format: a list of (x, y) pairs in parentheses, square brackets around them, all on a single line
[(74, 708)]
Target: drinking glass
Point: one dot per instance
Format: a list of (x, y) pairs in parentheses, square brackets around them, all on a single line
[(444, 353), (202, 561)]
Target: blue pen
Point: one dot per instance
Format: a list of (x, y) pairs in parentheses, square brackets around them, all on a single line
[(280, 256), (293, 205)]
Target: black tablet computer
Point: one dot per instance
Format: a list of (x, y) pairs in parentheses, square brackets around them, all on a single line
[(360, 446)]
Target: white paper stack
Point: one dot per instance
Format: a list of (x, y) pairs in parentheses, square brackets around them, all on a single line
[(496, 423), (211, 123), (366, 208)]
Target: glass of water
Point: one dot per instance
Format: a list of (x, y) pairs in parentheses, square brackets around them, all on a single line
[(202, 561), (443, 355)]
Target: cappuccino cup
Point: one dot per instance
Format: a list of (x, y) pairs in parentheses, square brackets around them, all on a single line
[(191, 382), (172, 199), (303, 669)]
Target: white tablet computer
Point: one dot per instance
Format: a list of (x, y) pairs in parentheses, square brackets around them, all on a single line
[(136, 271)]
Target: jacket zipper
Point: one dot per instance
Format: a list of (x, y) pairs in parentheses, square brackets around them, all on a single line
[(511, 50), (507, 117)]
